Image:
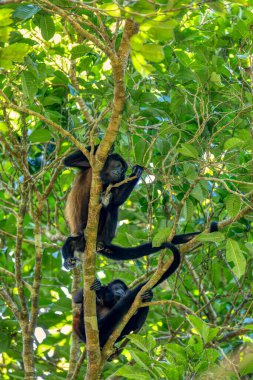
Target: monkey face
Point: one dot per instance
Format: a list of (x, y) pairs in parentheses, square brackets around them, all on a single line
[(114, 170), (114, 292)]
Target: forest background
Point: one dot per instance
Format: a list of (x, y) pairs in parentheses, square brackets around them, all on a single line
[(170, 84)]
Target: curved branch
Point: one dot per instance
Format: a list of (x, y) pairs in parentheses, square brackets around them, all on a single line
[(52, 8), (57, 127)]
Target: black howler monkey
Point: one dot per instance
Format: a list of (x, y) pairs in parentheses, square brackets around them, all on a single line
[(77, 210), (113, 302)]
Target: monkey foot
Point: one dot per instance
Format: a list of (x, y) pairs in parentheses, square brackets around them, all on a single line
[(70, 263)]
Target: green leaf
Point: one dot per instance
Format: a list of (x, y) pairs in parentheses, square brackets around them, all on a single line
[(147, 97), (246, 366), (28, 84), (190, 171), (13, 53), (134, 373), (177, 351), (249, 246), (206, 332), (141, 64), (141, 152), (184, 57), (79, 51), (141, 358), (142, 7), (5, 16), (49, 100), (232, 143), (215, 237), (26, 11), (216, 78), (5, 342), (152, 342), (197, 193), (200, 326), (161, 236), (5, 33), (139, 341), (233, 204), (211, 355), (195, 346), (188, 210), (3, 127), (234, 255), (153, 53), (47, 27), (40, 135), (111, 9), (213, 332), (188, 150), (160, 30)]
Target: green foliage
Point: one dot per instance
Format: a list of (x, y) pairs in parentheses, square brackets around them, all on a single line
[(234, 255), (201, 328), (187, 119)]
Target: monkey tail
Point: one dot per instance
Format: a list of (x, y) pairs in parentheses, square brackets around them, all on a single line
[(184, 238), (173, 267), (120, 253), (116, 252), (175, 264)]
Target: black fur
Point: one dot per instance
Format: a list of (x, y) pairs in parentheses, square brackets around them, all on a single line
[(113, 302), (113, 172)]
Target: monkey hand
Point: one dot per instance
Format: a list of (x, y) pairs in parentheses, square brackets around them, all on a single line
[(137, 171), (101, 248), (70, 262), (105, 199), (147, 296), (96, 285)]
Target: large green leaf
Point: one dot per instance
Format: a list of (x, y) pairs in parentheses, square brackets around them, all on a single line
[(161, 236), (132, 373), (28, 84), (26, 11), (13, 53), (184, 57), (233, 143), (159, 29), (206, 332), (47, 27), (5, 17), (139, 341), (188, 210), (235, 256), (111, 9), (40, 135), (153, 53), (188, 150), (233, 204), (215, 237), (5, 33)]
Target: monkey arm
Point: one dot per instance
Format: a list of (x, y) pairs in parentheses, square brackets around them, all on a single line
[(77, 160), (108, 323), (121, 193), (136, 322), (72, 244)]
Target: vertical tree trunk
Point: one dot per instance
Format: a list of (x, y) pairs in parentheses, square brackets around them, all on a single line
[(28, 357)]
